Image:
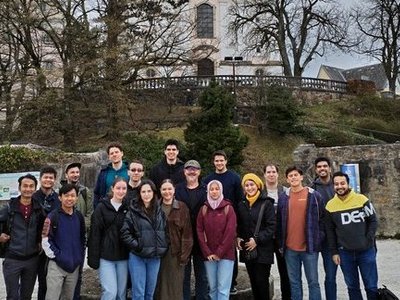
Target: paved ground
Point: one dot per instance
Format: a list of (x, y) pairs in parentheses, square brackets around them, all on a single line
[(388, 271), (388, 266)]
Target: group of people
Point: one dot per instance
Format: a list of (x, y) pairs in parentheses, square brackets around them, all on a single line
[(147, 234)]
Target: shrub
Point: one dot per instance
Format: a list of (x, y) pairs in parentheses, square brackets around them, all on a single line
[(379, 128), (19, 159), (324, 137), (372, 106)]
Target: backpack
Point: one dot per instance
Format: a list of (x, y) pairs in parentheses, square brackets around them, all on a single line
[(84, 194), (5, 227), (385, 294), (205, 208)]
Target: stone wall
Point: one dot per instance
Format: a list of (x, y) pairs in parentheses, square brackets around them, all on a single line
[(379, 175), (91, 165)]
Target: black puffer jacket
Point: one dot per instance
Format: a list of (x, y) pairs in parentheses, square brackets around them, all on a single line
[(105, 238), (247, 221), (145, 237), (25, 236)]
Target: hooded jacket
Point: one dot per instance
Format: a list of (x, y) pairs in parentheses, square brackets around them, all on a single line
[(105, 237), (314, 231), (163, 170), (100, 190), (48, 202), (327, 191), (216, 230)]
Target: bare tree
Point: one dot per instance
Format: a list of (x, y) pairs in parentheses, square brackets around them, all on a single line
[(378, 22), (65, 27), (18, 16), (138, 34), (16, 66), (299, 30)]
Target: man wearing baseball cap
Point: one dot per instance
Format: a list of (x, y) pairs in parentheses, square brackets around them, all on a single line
[(85, 199), (194, 194), (84, 205)]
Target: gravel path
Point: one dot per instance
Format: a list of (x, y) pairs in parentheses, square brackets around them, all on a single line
[(388, 267)]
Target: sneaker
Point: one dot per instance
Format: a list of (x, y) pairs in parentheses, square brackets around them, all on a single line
[(233, 291)]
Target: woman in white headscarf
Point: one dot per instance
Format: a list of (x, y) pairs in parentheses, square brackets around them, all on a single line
[(216, 230)]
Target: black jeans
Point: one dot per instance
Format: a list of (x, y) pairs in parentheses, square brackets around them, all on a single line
[(20, 277), (283, 274), (259, 279), (41, 275)]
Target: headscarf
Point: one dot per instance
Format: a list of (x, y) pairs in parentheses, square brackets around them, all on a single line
[(214, 203), (259, 183)]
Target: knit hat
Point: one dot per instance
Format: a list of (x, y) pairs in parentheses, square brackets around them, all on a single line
[(253, 177)]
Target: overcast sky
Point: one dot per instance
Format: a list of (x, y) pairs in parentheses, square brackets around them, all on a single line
[(339, 60)]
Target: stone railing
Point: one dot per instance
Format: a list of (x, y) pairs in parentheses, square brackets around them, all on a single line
[(196, 82)]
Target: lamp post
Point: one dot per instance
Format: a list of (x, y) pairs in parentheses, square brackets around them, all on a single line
[(233, 60)]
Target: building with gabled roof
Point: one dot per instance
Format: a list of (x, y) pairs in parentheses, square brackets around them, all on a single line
[(374, 73)]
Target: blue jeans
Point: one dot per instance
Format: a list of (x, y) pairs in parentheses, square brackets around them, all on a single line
[(330, 269), (365, 261), (113, 277), (201, 282), (144, 273), (294, 260), (219, 274)]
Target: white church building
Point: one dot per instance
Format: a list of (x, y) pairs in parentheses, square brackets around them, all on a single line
[(213, 48)]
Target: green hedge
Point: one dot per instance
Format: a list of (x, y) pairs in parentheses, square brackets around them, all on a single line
[(18, 159)]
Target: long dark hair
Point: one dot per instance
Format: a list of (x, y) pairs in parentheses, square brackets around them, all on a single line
[(151, 209)]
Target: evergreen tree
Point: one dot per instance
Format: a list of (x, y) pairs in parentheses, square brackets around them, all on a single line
[(278, 111), (213, 129)]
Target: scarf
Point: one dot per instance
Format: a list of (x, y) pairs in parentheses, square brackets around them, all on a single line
[(214, 203), (259, 183)]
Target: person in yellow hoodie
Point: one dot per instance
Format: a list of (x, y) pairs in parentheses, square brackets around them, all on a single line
[(351, 225)]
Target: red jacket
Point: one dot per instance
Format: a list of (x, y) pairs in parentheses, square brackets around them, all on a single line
[(216, 230)]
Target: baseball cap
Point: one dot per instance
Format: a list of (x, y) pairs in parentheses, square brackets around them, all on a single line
[(73, 165), (192, 164)]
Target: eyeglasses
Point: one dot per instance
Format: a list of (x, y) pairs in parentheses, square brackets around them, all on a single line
[(136, 170)]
